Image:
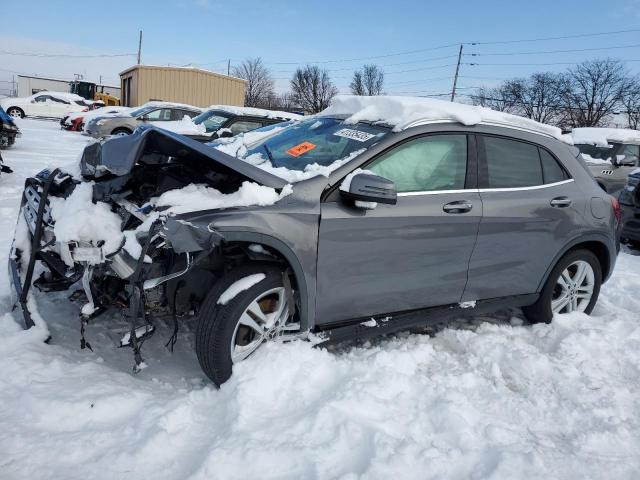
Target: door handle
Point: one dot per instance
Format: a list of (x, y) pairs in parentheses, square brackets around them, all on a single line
[(459, 206), (560, 202)]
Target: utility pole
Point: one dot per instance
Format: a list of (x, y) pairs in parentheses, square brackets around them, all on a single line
[(455, 79), (228, 67), (139, 47)]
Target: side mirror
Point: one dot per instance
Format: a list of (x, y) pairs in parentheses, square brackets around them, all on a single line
[(367, 190)]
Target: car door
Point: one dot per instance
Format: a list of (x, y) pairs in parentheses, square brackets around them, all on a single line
[(39, 106), (531, 208), (411, 255)]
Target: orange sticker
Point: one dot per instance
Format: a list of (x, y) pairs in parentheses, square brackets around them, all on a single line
[(300, 149)]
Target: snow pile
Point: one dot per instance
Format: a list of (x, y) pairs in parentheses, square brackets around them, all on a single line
[(256, 112), (602, 137), (240, 286), (401, 112), (194, 197), (184, 126), (78, 219)]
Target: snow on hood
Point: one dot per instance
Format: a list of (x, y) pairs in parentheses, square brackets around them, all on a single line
[(256, 112), (184, 127), (602, 137), (401, 112), (98, 112), (194, 198)]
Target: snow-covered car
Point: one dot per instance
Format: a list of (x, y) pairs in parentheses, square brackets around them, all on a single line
[(227, 121), (44, 104), (610, 153), (379, 214), (630, 203), (75, 121), (151, 113), (8, 130)]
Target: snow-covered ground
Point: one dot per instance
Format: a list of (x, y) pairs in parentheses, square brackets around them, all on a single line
[(488, 399)]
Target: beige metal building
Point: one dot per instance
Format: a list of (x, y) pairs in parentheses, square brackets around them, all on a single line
[(143, 83)]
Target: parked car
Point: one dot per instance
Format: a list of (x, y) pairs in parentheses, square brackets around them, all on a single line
[(44, 104), (380, 214), (8, 130), (610, 153), (75, 121), (124, 123), (630, 203), (227, 121)]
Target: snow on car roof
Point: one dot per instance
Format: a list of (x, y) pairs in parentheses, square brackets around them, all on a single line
[(256, 112), (160, 103), (69, 97), (603, 136), (404, 112)]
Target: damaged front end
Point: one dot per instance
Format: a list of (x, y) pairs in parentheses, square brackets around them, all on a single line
[(104, 230)]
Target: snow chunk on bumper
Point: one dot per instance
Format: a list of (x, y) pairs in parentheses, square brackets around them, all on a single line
[(78, 219)]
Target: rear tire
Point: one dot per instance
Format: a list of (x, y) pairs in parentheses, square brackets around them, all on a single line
[(15, 112), (121, 132), (220, 334), (573, 285)]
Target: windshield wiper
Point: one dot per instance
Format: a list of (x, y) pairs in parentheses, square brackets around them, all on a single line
[(266, 149)]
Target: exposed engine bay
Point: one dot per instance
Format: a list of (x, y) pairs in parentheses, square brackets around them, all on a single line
[(142, 268)]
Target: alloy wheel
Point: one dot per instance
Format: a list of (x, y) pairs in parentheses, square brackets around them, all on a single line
[(265, 318), (574, 288)]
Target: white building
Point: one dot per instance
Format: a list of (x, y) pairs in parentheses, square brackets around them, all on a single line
[(29, 85)]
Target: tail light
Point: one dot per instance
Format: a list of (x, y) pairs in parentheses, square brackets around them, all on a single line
[(617, 212), (85, 109)]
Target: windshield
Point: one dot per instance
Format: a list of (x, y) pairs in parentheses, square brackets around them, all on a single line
[(595, 152), (317, 140), (212, 120), (140, 111)]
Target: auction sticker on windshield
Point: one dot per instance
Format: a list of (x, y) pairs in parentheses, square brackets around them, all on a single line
[(300, 149), (354, 134)]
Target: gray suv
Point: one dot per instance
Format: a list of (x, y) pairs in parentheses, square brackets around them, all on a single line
[(152, 113), (412, 227)]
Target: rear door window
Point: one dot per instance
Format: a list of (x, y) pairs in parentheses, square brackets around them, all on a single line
[(551, 170), (511, 164)]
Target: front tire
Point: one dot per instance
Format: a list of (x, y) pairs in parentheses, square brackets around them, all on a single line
[(121, 132), (573, 285), (229, 333), (15, 112)]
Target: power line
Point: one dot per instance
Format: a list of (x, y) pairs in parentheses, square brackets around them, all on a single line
[(532, 64), (64, 55), (562, 37), (554, 51)]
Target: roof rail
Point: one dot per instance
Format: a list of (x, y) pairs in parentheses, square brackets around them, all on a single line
[(416, 123)]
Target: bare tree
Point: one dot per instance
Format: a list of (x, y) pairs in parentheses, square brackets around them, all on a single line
[(259, 87), (631, 104), (539, 97), (593, 91), (368, 81), (312, 88), (498, 98)]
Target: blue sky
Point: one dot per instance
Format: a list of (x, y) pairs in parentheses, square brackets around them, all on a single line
[(286, 32)]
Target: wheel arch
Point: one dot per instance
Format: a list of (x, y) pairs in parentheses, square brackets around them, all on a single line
[(597, 243), (288, 256)]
